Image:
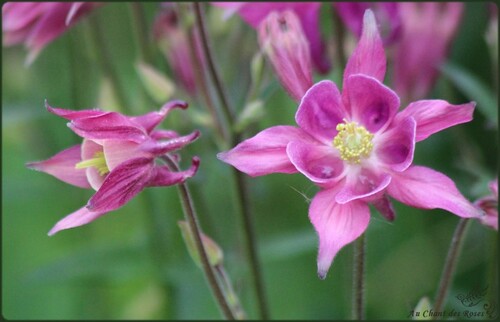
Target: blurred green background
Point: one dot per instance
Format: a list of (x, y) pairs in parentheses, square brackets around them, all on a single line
[(132, 263)]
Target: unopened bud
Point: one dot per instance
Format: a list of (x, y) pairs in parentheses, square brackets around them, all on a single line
[(283, 41), (158, 86), (214, 253)]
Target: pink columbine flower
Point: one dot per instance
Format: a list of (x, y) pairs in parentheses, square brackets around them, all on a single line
[(428, 29), (283, 41), (38, 23), (358, 149), (174, 42), (254, 13), (489, 204), (116, 158), (387, 14)]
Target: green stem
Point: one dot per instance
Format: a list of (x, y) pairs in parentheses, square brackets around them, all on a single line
[(449, 267), (191, 217), (241, 190), (358, 279), (105, 61), (140, 31)]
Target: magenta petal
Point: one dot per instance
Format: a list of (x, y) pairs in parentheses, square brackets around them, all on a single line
[(336, 225), (436, 115), (71, 114), (163, 134), (372, 104), (80, 217), (320, 163), (384, 207), (265, 153), (162, 176), (320, 111), (425, 188), (150, 120), (118, 151), (111, 125), (62, 166), (161, 147), (73, 12), (363, 184), (395, 146), (369, 57), (121, 185)]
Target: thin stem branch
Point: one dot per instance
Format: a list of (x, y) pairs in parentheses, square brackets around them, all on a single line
[(358, 279), (105, 61), (191, 217), (449, 267), (200, 23), (241, 191)]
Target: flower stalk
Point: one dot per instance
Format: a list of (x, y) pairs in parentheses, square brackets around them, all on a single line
[(241, 189), (191, 217), (358, 305), (450, 264), (141, 31)]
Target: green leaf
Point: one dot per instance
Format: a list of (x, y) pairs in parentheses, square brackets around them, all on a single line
[(474, 89)]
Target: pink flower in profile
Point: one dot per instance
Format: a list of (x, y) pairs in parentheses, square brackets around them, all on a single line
[(428, 29), (174, 42), (358, 149), (489, 205), (38, 23), (116, 158), (254, 13), (282, 40)]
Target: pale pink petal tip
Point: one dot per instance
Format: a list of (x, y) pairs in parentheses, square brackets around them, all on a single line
[(78, 218)]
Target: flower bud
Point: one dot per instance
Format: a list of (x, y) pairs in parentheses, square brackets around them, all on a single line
[(283, 41), (214, 253)]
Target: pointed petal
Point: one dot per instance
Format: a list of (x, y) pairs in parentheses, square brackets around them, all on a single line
[(369, 57), (436, 115), (395, 147), (336, 225), (362, 183), (80, 217), (265, 153), (62, 166), (163, 134), (162, 176), (71, 114), (384, 207), (372, 104), (161, 147), (150, 120), (319, 163), (75, 7), (425, 188), (320, 111), (121, 185), (111, 125)]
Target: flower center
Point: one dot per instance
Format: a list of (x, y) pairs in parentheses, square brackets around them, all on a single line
[(98, 162), (353, 142)]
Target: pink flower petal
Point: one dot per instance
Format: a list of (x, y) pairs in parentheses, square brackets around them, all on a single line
[(384, 207), (425, 188), (163, 134), (265, 153), (336, 225), (369, 57), (119, 151), (73, 115), (88, 151), (80, 217), (158, 148), (121, 185), (320, 163), (150, 120), (362, 183), (162, 176), (395, 146), (372, 104), (111, 125), (436, 115), (320, 111), (62, 166)]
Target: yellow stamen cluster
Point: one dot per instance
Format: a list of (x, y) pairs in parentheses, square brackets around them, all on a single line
[(98, 162), (353, 142)]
